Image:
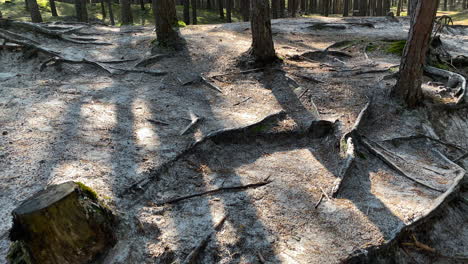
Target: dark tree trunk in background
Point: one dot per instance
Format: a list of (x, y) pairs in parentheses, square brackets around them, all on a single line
[(362, 7), (53, 9), (379, 8), (386, 7), (228, 11), (126, 17), (186, 12), (325, 7), (81, 10), (142, 5), (282, 8), (313, 6), (408, 86), (221, 9), (194, 12), (208, 4), (34, 11), (111, 12), (103, 10), (262, 48), (245, 10), (275, 8), (346, 8), (293, 8), (164, 11), (398, 12), (26, 5), (355, 7)]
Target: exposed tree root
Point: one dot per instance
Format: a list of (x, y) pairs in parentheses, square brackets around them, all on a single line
[(194, 119), (210, 84), (150, 60), (454, 79), (194, 254), (419, 136), (339, 26), (215, 191)]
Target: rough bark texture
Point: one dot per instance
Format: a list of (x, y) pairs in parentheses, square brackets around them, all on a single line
[(275, 8), (111, 13), (262, 40), (221, 9), (34, 10), (228, 11), (346, 8), (245, 10), (164, 14), (282, 8), (194, 12), (81, 11), (63, 224), (408, 86), (126, 12), (53, 9), (187, 12), (103, 10)]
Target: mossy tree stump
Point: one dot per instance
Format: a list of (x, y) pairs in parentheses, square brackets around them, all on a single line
[(62, 224)]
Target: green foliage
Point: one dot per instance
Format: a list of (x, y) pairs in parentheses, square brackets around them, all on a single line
[(181, 24), (88, 191), (442, 66), (396, 47), (371, 47)]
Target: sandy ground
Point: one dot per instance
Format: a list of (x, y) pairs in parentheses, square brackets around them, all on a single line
[(114, 132)]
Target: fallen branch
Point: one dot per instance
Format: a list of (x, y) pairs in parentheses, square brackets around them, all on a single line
[(308, 78), (319, 201), (157, 122), (150, 60), (210, 84), (452, 77), (193, 255), (461, 157), (243, 101), (368, 144), (420, 136), (239, 72), (218, 190), (194, 120)]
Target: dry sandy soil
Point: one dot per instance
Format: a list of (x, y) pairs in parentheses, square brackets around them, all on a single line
[(120, 133)]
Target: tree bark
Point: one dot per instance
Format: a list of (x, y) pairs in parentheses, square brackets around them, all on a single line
[(194, 12), (221, 9), (81, 11), (229, 11), (362, 7), (164, 16), (34, 11), (142, 5), (282, 7), (346, 8), (111, 12), (398, 12), (245, 10), (408, 86), (126, 17), (262, 48), (103, 10), (186, 12), (355, 7), (275, 8), (63, 224), (53, 9)]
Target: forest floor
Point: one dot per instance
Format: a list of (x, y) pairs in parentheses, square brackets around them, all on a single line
[(270, 143)]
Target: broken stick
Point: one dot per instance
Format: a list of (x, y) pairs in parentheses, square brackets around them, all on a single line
[(194, 120), (210, 84)]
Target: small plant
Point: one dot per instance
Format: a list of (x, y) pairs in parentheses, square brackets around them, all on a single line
[(397, 47), (181, 24)]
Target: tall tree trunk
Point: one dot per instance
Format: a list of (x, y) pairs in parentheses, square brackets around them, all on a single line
[(208, 4), (26, 5), (142, 5), (408, 86), (275, 8), (355, 7), (126, 12), (53, 9), (229, 11), (245, 10), (164, 16), (221, 9), (81, 10), (34, 11), (262, 47), (111, 12), (186, 12), (194, 12), (103, 10), (362, 7), (313, 6), (398, 12), (386, 7), (282, 8), (379, 8), (346, 8), (325, 7)]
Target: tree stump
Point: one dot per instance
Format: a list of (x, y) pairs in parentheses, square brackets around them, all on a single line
[(62, 224)]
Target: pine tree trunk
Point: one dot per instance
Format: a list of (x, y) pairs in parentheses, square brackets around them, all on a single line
[(245, 10), (362, 7), (398, 12), (142, 5), (262, 48), (65, 223), (111, 12), (164, 16), (355, 7), (126, 12), (221, 9), (103, 10), (194, 12), (282, 7), (408, 86), (34, 11), (346, 8), (228, 11), (81, 10), (186, 4), (53, 9), (386, 7), (275, 8)]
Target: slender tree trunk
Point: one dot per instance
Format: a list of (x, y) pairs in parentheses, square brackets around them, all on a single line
[(325, 7), (103, 10), (282, 7), (34, 11), (142, 5), (81, 10), (408, 86), (194, 12), (164, 16), (221, 9), (245, 10), (262, 47), (355, 7), (53, 9), (26, 5), (111, 12), (208, 4), (126, 12), (346, 8), (362, 7), (274, 8), (379, 8), (386, 6), (229, 11), (398, 12), (186, 12)]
